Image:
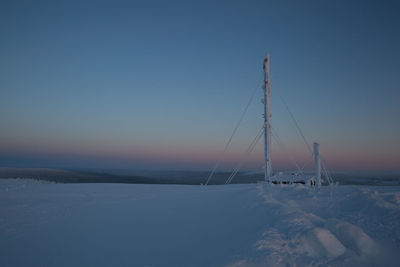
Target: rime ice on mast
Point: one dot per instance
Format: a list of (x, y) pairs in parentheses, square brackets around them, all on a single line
[(267, 118)]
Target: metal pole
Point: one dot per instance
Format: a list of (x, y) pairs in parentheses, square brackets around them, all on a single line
[(267, 118), (317, 161)]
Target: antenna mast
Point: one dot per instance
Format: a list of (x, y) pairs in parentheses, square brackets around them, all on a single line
[(267, 118)]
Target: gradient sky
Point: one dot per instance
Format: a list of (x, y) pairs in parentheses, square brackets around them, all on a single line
[(161, 84)]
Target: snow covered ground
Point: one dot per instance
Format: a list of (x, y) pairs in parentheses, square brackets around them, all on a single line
[(46, 224)]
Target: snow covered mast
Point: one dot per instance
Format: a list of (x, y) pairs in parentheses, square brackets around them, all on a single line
[(267, 118)]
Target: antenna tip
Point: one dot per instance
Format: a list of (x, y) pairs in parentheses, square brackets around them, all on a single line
[(266, 57)]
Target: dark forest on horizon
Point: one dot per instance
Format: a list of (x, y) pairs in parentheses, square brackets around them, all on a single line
[(178, 177)]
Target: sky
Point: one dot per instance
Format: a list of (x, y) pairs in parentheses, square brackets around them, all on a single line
[(161, 84)]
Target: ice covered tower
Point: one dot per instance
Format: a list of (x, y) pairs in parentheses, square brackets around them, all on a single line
[(267, 118), (317, 162)]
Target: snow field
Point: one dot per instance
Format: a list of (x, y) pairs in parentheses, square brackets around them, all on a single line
[(45, 224)]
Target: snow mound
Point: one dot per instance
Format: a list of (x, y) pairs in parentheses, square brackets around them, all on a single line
[(352, 237), (325, 243)]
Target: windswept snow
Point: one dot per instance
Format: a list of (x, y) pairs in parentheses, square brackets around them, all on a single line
[(45, 224)]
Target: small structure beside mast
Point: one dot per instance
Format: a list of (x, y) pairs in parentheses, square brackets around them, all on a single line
[(267, 118), (317, 163)]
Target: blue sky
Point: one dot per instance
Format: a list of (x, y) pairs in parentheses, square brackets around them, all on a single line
[(160, 84)]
